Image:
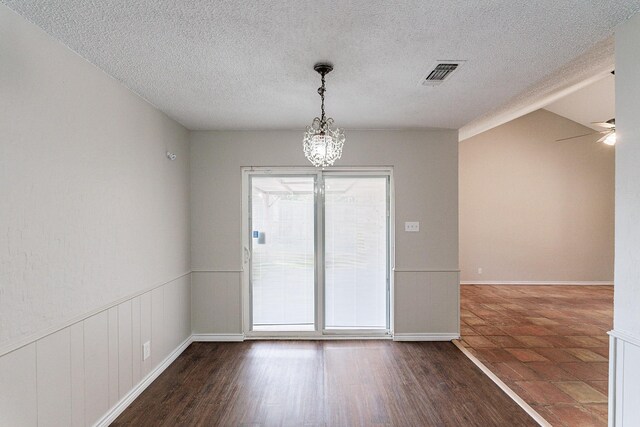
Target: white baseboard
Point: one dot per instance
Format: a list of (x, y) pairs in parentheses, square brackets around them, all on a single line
[(396, 337), (318, 337), (524, 405), (218, 337), (427, 337), (535, 282), (128, 398)]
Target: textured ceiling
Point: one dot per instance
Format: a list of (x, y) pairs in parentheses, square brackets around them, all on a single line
[(581, 71), (593, 103), (248, 65)]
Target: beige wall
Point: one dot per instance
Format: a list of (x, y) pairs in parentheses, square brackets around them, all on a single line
[(92, 215), (532, 209), (426, 184)]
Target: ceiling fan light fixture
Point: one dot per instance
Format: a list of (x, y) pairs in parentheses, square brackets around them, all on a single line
[(610, 139), (608, 135), (322, 143)]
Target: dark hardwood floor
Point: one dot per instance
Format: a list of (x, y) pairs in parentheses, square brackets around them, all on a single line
[(335, 383)]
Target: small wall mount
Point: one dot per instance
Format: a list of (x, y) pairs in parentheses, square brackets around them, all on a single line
[(171, 156)]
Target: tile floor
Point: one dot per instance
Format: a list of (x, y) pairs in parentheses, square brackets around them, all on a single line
[(549, 344)]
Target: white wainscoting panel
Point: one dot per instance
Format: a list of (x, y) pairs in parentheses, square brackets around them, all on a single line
[(53, 376), (125, 350), (631, 385), (216, 302), (145, 330), (76, 332), (18, 394), (113, 355), (624, 380), (96, 366), (89, 371), (423, 302), (157, 326), (177, 308), (425, 337), (136, 343)]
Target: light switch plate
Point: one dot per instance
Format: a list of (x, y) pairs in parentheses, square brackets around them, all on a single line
[(412, 227)]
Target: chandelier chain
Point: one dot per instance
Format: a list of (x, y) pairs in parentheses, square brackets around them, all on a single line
[(321, 91)]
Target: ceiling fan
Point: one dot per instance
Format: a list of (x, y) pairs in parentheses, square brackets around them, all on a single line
[(608, 134)]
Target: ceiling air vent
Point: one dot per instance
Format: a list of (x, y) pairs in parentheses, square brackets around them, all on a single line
[(440, 72)]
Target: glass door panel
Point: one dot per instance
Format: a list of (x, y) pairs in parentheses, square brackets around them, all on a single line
[(282, 274), (356, 252)]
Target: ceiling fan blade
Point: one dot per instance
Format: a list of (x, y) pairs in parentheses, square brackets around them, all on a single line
[(577, 136), (604, 125)]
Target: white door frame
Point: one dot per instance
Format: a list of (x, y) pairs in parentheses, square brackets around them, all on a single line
[(320, 332)]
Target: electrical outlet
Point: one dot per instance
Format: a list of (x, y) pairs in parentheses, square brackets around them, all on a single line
[(480, 270), (412, 227), (146, 350)]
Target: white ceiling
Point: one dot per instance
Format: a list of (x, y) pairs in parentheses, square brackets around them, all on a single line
[(248, 65), (593, 103)]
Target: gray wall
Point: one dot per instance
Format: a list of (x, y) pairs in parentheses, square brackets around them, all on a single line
[(426, 190), (95, 233), (625, 358), (532, 209)]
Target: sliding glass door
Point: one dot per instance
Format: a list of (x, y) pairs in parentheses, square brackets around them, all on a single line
[(356, 251), (283, 253), (317, 253)]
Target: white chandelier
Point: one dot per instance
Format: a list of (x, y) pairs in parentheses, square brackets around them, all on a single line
[(322, 143)]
